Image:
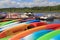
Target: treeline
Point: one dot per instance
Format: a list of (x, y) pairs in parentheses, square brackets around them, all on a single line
[(33, 9)]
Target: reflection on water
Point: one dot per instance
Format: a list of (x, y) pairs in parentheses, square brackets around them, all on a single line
[(53, 21)]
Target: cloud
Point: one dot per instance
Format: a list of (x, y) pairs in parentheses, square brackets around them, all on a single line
[(54, 3), (19, 3)]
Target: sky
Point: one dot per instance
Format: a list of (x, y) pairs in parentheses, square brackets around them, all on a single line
[(27, 3)]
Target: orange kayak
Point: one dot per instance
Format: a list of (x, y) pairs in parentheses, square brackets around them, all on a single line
[(19, 28), (14, 29), (27, 32)]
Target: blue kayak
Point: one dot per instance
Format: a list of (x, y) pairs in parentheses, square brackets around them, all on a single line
[(57, 37), (31, 21), (36, 35)]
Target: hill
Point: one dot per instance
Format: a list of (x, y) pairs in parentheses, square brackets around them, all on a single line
[(33, 9)]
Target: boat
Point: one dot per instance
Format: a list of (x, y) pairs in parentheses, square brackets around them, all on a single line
[(47, 17), (21, 24), (35, 24), (36, 35), (43, 18), (27, 32), (5, 23), (51, 36), (16, 24), (16, 29), (8, 26), (32, 21)]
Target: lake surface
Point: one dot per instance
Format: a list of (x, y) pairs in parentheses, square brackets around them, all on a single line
[(53, 21), (50, 22)]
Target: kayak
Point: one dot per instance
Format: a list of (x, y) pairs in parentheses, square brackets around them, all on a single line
[(32, 21), (13, 30), (35, 24), (57, 37), (8, 26), (16, 29), (8, 22), (27, 32), (21, 24), (53, 26), (2, 23), (14, 24), (35, 35), (51, 36)]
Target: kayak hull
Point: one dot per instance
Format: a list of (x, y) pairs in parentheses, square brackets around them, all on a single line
[(27, 32)]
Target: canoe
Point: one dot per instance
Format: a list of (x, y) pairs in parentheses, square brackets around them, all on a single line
[(50, 36), (27, 32), (35, 35), (8, 22)]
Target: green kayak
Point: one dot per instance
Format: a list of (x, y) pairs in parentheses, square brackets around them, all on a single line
[(2, 23), (49, 35), (5, 23)]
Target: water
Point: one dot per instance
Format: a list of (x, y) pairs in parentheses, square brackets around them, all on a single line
[(52, 13), (50, 22), (54, 21)]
